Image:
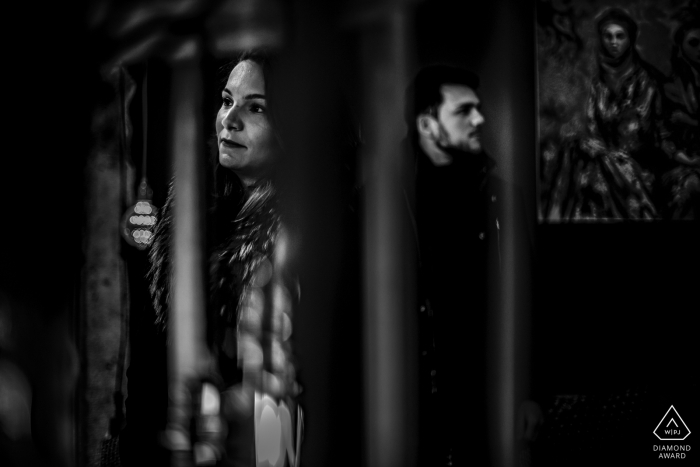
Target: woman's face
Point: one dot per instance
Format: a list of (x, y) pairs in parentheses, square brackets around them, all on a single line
[(691, 46), (615, 39), (246, 141)]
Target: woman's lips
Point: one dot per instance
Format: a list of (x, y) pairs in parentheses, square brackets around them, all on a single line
[(231, 144)]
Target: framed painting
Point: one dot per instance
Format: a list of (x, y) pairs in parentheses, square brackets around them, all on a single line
[(618, 90)]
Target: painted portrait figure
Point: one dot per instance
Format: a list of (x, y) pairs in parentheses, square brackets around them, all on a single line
[(615, 176), (617, 111), (681, 92)]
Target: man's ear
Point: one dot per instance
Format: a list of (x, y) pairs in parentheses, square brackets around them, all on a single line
[(426, 125)]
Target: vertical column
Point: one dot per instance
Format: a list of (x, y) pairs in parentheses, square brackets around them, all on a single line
[(187, 352), (103, 272), (509, 94), (389, 418)]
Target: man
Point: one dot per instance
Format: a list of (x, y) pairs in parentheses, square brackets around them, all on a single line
[(454, 212)]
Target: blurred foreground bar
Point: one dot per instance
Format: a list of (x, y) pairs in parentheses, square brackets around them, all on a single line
[(508, 91), (390, 383), (187, 352)]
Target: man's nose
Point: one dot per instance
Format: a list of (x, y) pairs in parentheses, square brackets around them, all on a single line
[(232, 119), (477, 118)]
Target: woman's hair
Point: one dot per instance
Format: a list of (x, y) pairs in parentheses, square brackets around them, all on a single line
[(618, 16)]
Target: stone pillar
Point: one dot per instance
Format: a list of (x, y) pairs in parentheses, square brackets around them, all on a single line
[(105, 314)]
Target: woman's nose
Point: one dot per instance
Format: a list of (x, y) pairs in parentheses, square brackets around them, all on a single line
[(232, 119)]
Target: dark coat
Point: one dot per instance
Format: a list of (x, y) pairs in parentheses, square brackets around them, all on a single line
[(455, 215)]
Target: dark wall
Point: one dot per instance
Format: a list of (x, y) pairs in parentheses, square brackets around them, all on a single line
[(45, 139), (619, 300)]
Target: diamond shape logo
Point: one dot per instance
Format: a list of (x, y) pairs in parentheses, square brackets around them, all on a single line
[(671, 427)]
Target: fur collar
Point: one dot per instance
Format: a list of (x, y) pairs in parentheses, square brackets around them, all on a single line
[(248, 239)]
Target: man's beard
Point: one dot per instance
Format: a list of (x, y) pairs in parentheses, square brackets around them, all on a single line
[(443, 143)]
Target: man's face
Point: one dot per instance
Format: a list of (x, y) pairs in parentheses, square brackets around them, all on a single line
[(459, 119)]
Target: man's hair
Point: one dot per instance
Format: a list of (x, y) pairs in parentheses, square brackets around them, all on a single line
[(423, 94)]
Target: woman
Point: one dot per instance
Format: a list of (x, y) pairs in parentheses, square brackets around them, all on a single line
[(682, 92), (615, 168), (248, 330)]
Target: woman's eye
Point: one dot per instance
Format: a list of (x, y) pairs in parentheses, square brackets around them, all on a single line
[(257, 108), (226, 101)]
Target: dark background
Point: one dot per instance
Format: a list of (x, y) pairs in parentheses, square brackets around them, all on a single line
[(46, 129)]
